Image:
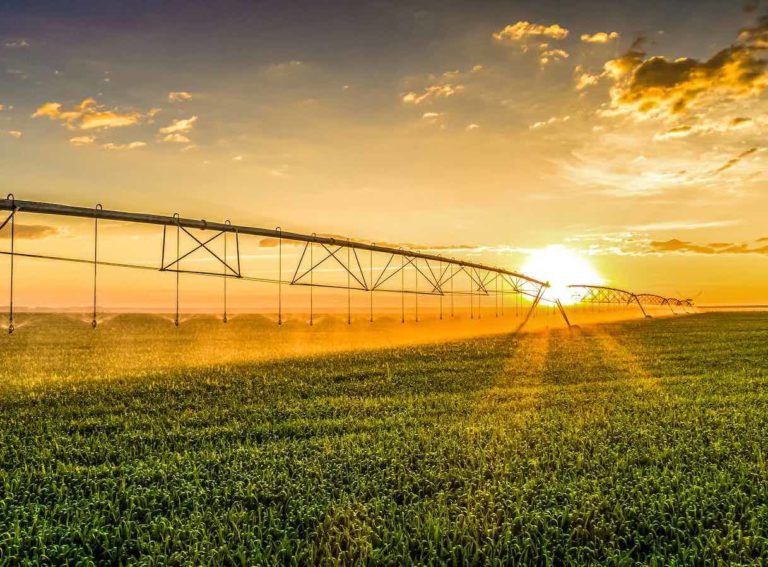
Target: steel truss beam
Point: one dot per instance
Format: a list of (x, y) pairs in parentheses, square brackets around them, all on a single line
[(607, 295), (433, 274), (174, 221), (611, 295)]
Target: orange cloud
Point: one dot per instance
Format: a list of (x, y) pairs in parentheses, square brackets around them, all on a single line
[(177, 130), (179, 96), (86, 116), (733, 161), (524, 30), (82, 140), (660, 86), (599, 37), (584, 78), (677, 132), (432, 92), (706, 127), (680, 246), (549, 122), (550, 55), (128, 146), (30, 231)]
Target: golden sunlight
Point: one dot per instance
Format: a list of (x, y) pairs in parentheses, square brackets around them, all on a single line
[(561, 267)]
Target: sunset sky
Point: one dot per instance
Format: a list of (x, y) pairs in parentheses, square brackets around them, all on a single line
[(633, 132)]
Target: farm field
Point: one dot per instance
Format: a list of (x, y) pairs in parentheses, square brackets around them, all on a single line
[(620, 443)]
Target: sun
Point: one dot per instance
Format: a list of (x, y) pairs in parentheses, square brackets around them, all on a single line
[(561, 267)]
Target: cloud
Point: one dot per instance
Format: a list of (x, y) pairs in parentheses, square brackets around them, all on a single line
[(179, 125), (176, 138), (471, 127), (535, 38), (128, 146), (16, 43), (431, 115), (599, 37), (675, 245), (740, 122), (13, 133), (279, 68), (681, 225), (706, 127), (431, 93), (179, 96), (584, 78), (629, 244), (549, 122), (657, 86), (550, 55), (87, 115), (82, 140), (733, 161), (445, 85), (681, 246), (523, 30), (677, 132), (177, 130), (30, 231), (757, 36)]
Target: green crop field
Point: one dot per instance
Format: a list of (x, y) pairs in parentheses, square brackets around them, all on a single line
[(625, 443)]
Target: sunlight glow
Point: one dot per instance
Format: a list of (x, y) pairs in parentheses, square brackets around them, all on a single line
[(561, 267)]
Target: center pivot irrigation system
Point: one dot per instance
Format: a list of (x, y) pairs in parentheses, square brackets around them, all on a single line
[(364, 267)]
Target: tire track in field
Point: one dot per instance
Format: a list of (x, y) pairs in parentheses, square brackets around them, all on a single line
[(627, 362), (517, 388), (592, 373)]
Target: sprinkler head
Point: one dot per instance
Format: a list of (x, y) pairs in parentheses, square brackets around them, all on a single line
[(93, 324), (176, 322), (225, 319)]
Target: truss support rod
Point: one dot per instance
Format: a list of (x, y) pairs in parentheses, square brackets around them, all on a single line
[(311, 286), (534, 306), (402, 289), (440, 268), (416, 275), (178, 272), (563, 313), (371, 268), (471, 298), (95, 262), (349, 287), (279, 277), (12, 220), (640, 305), (225, 273), (502, 297)]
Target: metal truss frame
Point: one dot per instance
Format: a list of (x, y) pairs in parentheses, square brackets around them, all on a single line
[(434, 275), (608, 295), (611, 295)]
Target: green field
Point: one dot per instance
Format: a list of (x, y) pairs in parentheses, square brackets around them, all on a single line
[(625, 443)]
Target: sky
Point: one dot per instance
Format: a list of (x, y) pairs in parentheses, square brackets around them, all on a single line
[(630, 132)]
